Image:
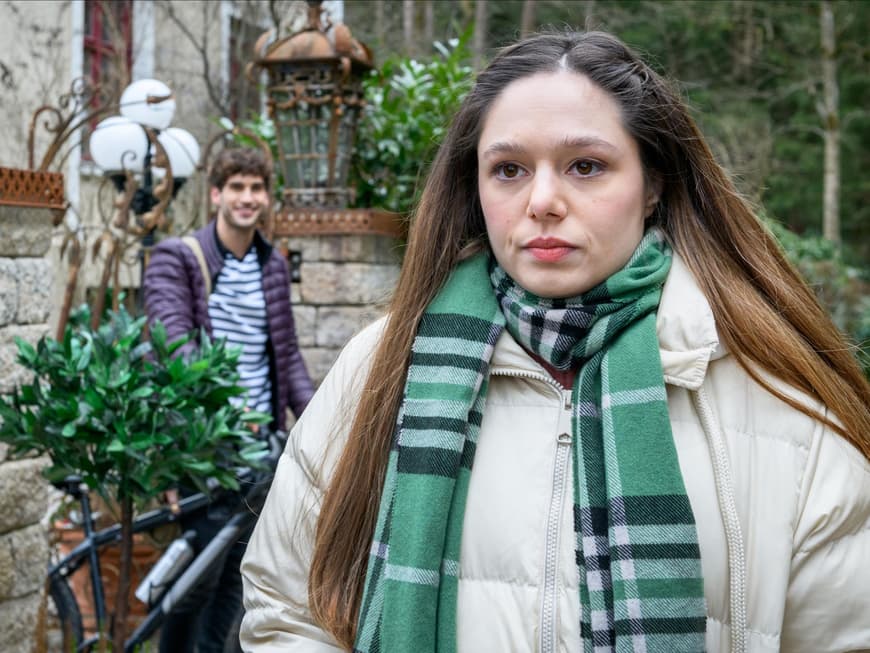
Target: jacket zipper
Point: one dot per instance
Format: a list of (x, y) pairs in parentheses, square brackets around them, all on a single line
[(549, 596), (551, 559)]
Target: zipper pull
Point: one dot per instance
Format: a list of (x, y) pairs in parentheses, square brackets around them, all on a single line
[(564, 438), (566, 395)]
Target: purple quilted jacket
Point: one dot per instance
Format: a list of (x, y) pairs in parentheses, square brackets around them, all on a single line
[(175, 294)]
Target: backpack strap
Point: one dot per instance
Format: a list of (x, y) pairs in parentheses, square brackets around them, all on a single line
[(196, 248)]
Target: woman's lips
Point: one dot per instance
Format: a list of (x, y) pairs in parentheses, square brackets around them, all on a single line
[(548, 250)]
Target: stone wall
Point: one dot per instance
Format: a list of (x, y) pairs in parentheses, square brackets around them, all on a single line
[(346, 281), (25, 280)]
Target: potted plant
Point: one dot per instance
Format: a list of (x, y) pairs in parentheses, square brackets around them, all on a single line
[(130, 417)]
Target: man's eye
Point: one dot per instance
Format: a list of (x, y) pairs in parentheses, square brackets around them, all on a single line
[(508, 170), (585, 168)]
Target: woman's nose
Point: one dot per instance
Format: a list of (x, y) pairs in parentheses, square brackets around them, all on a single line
[(546, 198)]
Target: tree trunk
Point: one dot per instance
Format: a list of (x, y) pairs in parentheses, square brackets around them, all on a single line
[(830, 113), (408, 7), (428, 23), (527, 22), (480, 30), (122, 607), (744, 39), (380, 29), (588, 13)]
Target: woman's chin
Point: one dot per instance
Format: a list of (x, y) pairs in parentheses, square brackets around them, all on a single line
[(554, 284)]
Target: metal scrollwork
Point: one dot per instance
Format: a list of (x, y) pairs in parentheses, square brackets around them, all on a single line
[(64, 120)]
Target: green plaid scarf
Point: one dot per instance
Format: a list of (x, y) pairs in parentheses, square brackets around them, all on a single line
[(641, 587)]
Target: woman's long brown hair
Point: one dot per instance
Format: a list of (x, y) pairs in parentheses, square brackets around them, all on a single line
[(766, 315)]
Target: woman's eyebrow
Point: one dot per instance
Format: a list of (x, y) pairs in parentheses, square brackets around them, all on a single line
[(569, 142), (586, 141), (503, 147)]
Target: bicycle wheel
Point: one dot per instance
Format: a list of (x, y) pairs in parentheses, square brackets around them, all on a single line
[(68, 614)]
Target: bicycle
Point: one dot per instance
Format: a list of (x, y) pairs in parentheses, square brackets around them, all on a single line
[(176, 588)]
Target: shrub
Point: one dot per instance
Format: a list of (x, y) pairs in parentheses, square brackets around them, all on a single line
[(842, 289), (409, 106)]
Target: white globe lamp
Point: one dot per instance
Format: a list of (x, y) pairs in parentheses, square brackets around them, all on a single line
[(182, 149), (118, 144), (149, 102)]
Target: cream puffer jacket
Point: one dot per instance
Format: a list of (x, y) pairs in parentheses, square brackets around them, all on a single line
[(782, 507)]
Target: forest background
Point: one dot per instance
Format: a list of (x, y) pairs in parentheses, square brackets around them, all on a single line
[(763, 84), (780, 89)]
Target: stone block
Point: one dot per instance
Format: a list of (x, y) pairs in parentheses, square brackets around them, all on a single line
[(25, 290), (11, 373), (34, 290), (347, 283), (360, 248), (18, 619), (305, 318), (319, 360), (26, 231), (8, 290), (338, 324), (23, 493), (23, 559), (29, 332), (308, 246)]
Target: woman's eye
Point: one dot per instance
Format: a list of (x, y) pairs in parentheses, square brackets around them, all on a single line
[(508, 170), (586, 168)]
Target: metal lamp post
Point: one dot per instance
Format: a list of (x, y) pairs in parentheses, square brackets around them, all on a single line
[(139, 145), (147, 160), (315, 98)]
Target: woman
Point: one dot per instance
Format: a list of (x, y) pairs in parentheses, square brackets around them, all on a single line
[(603, 413)]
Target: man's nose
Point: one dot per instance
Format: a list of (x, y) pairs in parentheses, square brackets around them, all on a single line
[(546, 196)]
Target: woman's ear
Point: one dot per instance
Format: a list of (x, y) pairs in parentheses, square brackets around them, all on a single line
[(653, 193)]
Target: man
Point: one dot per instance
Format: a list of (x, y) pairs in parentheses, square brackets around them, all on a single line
[(249, 305)]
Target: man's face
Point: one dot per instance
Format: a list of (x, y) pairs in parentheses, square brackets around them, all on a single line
[(242, 201)]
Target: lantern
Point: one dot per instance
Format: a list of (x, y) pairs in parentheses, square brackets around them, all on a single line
[(315, 96)]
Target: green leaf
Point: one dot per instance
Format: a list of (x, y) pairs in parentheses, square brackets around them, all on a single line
[(200, 466), (26, 352), (141, 393)]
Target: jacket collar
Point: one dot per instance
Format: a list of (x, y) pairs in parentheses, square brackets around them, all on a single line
[(687, 334), (264, 249), (688, 339)]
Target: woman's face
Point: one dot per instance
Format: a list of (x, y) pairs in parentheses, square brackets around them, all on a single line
[(561, 184)]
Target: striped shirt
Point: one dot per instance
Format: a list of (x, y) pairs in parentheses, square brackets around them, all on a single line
[(237, 309)]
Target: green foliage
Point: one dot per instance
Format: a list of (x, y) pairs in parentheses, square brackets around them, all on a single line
[(409, 105), (127, 414), (841, 288)]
